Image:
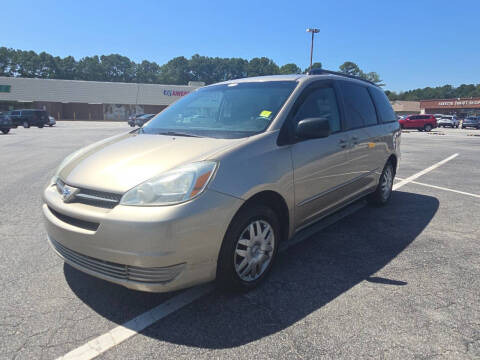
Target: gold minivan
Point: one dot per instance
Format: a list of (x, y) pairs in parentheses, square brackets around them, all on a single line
[(210, 187)]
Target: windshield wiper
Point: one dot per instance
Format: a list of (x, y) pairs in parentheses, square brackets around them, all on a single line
[(177, 133)]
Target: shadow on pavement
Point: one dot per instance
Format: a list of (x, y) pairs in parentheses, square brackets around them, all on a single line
[(306, 277)]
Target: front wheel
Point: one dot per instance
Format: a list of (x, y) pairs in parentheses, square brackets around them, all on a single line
[(5, 131), (26, 125), (383, 192), (40, 126), (428, 128), (248, 249)]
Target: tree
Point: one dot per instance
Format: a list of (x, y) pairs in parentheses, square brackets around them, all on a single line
[(47, 67), (67, 68), (176, 71), (90, 68), (117, 68), (147, 72), (315, 65), (290, 69), (350, 68), (262, 66), (6, 61)]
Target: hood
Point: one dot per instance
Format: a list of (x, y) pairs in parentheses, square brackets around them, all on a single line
[(122, 162)]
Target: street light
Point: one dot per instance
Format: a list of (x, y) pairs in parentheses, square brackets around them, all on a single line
[(313, 31)]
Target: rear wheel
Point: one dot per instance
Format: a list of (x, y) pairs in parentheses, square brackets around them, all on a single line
[(248, 249), (384, 188), (40, 126), (5, 131), (428, 127)]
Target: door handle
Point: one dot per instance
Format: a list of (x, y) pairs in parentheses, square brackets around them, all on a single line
[(342, 142)]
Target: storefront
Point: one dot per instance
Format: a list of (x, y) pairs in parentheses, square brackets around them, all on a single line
[(462, 107), (88, 100)]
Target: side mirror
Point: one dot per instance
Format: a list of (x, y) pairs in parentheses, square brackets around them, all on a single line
[(313, 128)]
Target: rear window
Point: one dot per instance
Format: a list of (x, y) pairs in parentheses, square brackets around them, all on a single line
[(358, 106), (384, 109)]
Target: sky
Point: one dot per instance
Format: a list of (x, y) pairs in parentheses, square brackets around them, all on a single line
[(410, 44)]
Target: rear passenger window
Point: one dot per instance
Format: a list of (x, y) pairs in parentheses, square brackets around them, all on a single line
[(384, 109), (322, 103), (358, 106)]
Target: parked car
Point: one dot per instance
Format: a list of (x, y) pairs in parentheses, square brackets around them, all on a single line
[(141, 120), (5, 123), (213, 196), (131, 119), (438, 117), (448, 120), (29, 117), (471, 122), (419, 122), (51, 121)]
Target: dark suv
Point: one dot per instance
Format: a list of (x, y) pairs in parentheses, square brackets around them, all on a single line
[(29, 117), (5, 123)]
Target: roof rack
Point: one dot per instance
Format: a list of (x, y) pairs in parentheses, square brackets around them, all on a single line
[(320, 71)]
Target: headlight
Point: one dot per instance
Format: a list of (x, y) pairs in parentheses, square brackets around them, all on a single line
[(173, 187)]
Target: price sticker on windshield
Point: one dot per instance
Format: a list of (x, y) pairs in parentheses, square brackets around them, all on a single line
[(265, 114)]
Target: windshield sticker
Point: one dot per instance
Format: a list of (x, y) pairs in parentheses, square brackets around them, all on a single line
[(265, 114)]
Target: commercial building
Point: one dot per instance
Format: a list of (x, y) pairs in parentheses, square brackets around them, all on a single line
[(88, 100), (461, 107), (406, 107)]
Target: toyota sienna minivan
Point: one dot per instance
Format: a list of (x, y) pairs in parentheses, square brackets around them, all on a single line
[(210, 187)]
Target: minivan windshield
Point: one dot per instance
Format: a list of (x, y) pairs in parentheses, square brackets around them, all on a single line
[(232, 110)]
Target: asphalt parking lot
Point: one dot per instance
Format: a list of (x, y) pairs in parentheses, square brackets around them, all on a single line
[(398, 282)]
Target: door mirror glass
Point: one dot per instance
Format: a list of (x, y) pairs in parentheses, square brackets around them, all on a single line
[(313, 128)]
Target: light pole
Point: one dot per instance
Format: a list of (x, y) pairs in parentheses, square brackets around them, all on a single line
[(313, 31)]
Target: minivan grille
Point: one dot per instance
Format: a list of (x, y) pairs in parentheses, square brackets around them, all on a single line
[(93, 197), (119, 271)]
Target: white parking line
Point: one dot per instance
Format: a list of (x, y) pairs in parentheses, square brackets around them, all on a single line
[(444, 188), (104, 342), (117, 335), (423, 172)]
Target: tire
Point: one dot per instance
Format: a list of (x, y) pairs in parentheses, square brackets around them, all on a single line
[(26, 125), (428, 128), (40, 126), (237, 249), (383, 192), (5, 131), (50, 125)]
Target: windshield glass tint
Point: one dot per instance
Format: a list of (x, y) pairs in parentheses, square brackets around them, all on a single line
[(224, 111)]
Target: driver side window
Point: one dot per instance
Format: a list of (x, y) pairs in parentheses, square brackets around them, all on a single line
[(320, 103)]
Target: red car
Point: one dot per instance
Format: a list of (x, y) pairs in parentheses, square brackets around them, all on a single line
[(419, 122)]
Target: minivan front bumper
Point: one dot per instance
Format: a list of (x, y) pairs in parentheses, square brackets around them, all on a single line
[(157, 248)]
